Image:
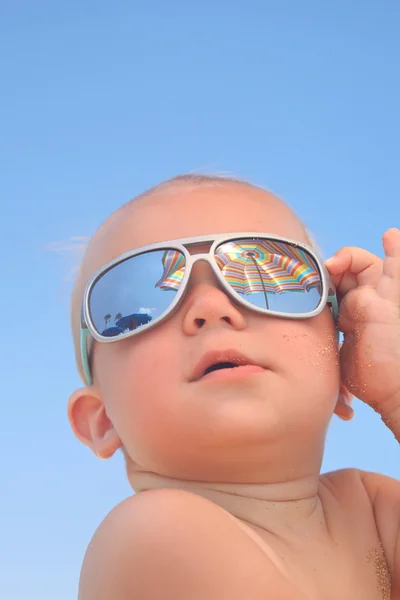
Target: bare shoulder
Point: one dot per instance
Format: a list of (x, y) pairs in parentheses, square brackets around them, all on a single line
[(372, 482), (343, 494), (342, 480), (379, 496), (381, 491), (164, 544)]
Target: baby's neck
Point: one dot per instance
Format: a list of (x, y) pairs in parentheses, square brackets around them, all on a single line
[(282, 509)]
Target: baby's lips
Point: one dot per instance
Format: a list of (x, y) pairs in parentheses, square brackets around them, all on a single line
[(220, 356)]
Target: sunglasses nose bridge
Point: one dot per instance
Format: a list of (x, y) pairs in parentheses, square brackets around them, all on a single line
[(196, 272)]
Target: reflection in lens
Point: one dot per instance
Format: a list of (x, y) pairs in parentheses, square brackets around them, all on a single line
[(271, 274), (136, 291)]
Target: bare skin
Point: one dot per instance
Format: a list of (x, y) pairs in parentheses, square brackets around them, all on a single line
[(290, 533)]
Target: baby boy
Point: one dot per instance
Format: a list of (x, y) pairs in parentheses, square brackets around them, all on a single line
[(206, 332)]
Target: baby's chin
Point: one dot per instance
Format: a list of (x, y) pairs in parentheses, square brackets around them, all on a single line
[(245, 448), (264, 407), (247, 429)]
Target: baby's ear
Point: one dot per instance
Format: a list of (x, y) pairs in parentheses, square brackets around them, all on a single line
[(90, 422), (343, 408)]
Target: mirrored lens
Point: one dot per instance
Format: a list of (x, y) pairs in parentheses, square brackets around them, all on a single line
[(270, 274), (136, 291)]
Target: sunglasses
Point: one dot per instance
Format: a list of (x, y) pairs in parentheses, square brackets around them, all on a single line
[(265, 273)]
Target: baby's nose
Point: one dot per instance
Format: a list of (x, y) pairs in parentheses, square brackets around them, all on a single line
[(207, 304)]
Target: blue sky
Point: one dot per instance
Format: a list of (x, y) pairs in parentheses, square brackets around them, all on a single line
[(101, 101)]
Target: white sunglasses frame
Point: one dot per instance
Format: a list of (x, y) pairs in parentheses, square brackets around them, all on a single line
[(328, 293)]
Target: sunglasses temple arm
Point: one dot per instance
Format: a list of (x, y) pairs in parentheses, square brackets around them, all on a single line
[(84, 354), (333, 303)]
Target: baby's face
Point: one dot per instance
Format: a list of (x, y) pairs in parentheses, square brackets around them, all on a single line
[(216, 429)]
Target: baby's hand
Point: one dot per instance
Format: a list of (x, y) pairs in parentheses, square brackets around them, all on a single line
[(368, 291)]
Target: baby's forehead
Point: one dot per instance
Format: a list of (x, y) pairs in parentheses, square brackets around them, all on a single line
[(192, 213)]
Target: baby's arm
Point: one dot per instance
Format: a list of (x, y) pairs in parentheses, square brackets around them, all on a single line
[(172, 545), (369, 293), (384, 493)]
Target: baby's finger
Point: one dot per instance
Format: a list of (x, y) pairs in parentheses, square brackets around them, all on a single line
[(350, 267), (388, 286)]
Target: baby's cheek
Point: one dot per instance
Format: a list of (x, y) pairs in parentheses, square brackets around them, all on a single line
[(318, 356), (146, 377), (311, 349), (325, 349)]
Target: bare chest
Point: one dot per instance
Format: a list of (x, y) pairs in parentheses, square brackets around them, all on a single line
[(348, 570), (344, 561)]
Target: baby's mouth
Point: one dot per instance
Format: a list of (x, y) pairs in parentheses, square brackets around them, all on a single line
[(224, 361), (219, 366)]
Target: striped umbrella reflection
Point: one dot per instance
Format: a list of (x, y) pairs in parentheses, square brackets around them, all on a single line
[(252, 265)]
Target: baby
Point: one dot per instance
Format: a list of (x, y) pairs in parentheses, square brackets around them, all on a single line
[(206, 332)]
